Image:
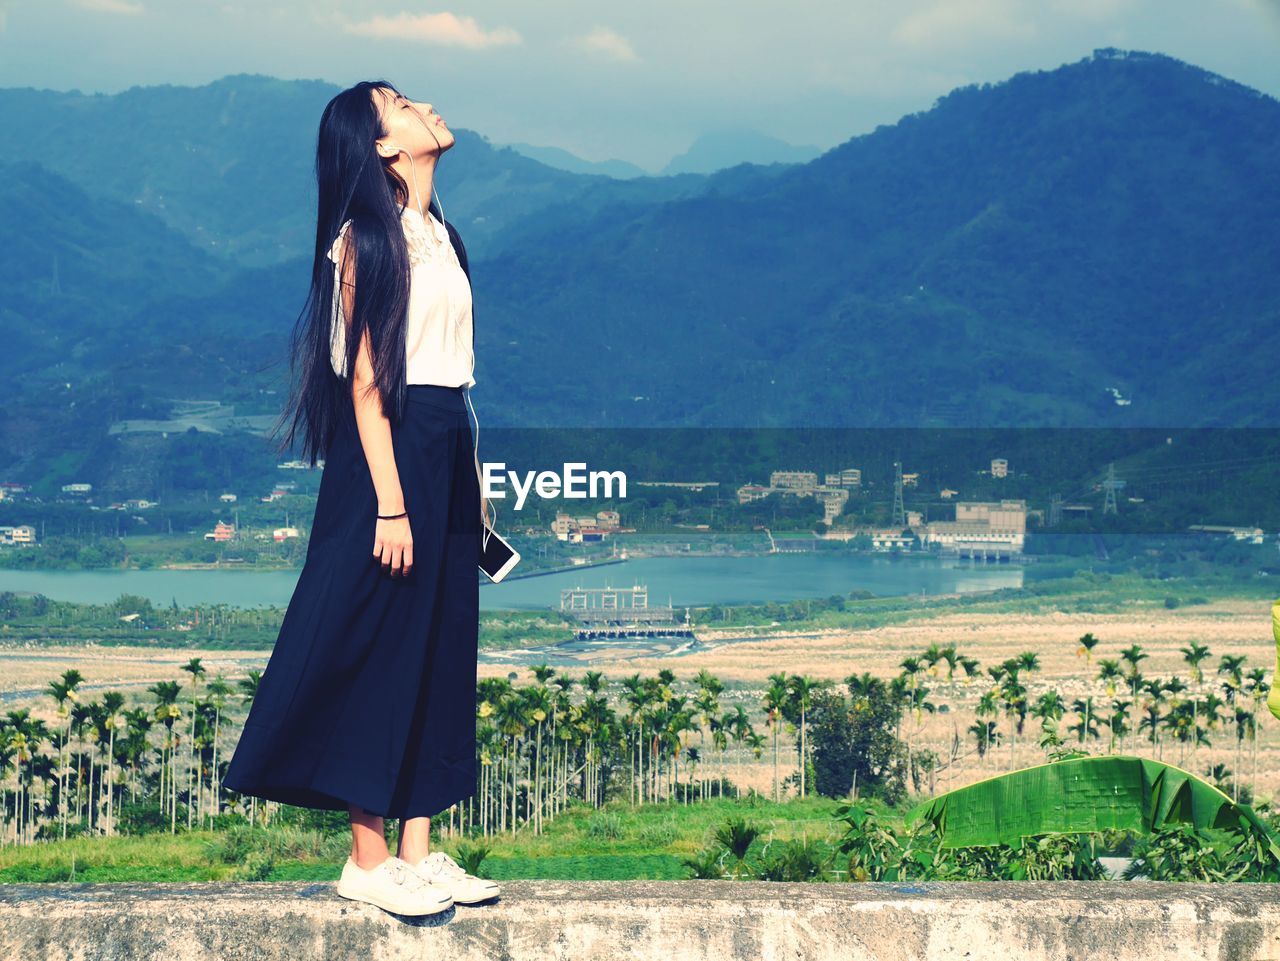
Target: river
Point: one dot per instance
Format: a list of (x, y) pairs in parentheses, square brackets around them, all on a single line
[(690, 580)]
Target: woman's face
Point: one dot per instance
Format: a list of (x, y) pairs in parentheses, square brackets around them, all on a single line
[(411, 125)]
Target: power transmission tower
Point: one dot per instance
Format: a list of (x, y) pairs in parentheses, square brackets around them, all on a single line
[(1111, 485), (1055, 510), (899, 511)]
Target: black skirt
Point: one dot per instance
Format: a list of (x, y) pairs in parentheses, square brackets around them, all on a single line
[(369, 694)]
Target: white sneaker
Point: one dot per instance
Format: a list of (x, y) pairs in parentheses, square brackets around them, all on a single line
[(393, 886), (438, 868)]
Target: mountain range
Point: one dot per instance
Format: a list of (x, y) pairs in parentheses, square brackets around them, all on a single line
[(1091, 245)]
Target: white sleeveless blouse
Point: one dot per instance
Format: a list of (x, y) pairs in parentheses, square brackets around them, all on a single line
[(438, 326)]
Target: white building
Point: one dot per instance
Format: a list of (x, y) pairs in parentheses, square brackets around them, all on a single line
[(1254, 535), (794, 480), (997, 526), (21, 534), (833, 500)]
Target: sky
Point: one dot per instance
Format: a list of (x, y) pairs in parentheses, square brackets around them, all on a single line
[(637, 82)]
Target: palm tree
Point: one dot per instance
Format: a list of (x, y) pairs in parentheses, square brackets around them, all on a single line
[(1013, 697), (988, 706), (1086, 645), (1049, 708), (738, 726), (801, 688), (135, 746), (775, 702), (707, 703), (952, 659), (248, 687), (196, 670), (984, 734), (1258, 688), (598, 722), (1084, 727), (931, 658), (565, 735), (1132, 656), (8, 752), (1118, 723), (219, 691), (1184, 724), (635, 698), (663, 694), (1194, 654), (112, 703), (755, 742), (79, 724), (682, 722), (1231, 670), (1244, 728), (1151, 705), (538, 705), (64, 691), (490, 692), (1028, 661), (167, 713), (513, 723), (24, 735), (1109, 674)]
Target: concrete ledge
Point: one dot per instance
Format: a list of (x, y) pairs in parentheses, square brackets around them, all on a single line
[(651, 920)]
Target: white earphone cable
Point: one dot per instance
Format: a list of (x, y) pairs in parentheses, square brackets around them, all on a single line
[(475, 448)]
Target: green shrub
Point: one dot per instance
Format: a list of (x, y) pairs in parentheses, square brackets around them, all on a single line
[(605, 824), (659, 833)]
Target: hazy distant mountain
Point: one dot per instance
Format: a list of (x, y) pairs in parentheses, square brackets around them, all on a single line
[(1090, 245), (564, 160), (230, 165), (731, 146), (1017, 255)]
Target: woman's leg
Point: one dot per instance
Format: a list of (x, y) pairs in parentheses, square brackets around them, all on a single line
[(415, 838), (368, 843)]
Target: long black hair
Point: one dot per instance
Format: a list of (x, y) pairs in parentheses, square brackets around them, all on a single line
[(354, 183)]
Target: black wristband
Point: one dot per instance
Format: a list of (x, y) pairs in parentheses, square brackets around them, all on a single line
[(391, 517)]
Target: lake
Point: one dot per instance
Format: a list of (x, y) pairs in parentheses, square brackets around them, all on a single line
[(682, 580)]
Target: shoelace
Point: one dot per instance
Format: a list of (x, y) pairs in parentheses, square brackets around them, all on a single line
[(400, 874), (441, 863)]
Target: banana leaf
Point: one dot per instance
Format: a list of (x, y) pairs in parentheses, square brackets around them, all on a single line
[(1273, 696), (1084, 795)]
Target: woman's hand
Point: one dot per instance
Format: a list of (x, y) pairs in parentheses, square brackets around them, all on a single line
[(393, 546)]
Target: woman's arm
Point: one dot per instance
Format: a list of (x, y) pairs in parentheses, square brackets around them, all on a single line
[(393, 539)]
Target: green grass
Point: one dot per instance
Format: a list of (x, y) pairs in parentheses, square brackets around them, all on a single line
[(615, 843), (649, 867), (181, 857)]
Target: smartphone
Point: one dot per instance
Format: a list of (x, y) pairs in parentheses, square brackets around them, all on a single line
[(497, 557)]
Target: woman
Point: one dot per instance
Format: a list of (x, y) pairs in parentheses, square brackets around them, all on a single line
[(368, 700)]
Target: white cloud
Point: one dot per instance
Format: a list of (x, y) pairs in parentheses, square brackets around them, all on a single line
[(949, 23), (1092, 9), (127, 7), (607, 43), (443, 29)]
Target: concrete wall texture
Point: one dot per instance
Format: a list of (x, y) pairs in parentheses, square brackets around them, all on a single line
[(651, 921)]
